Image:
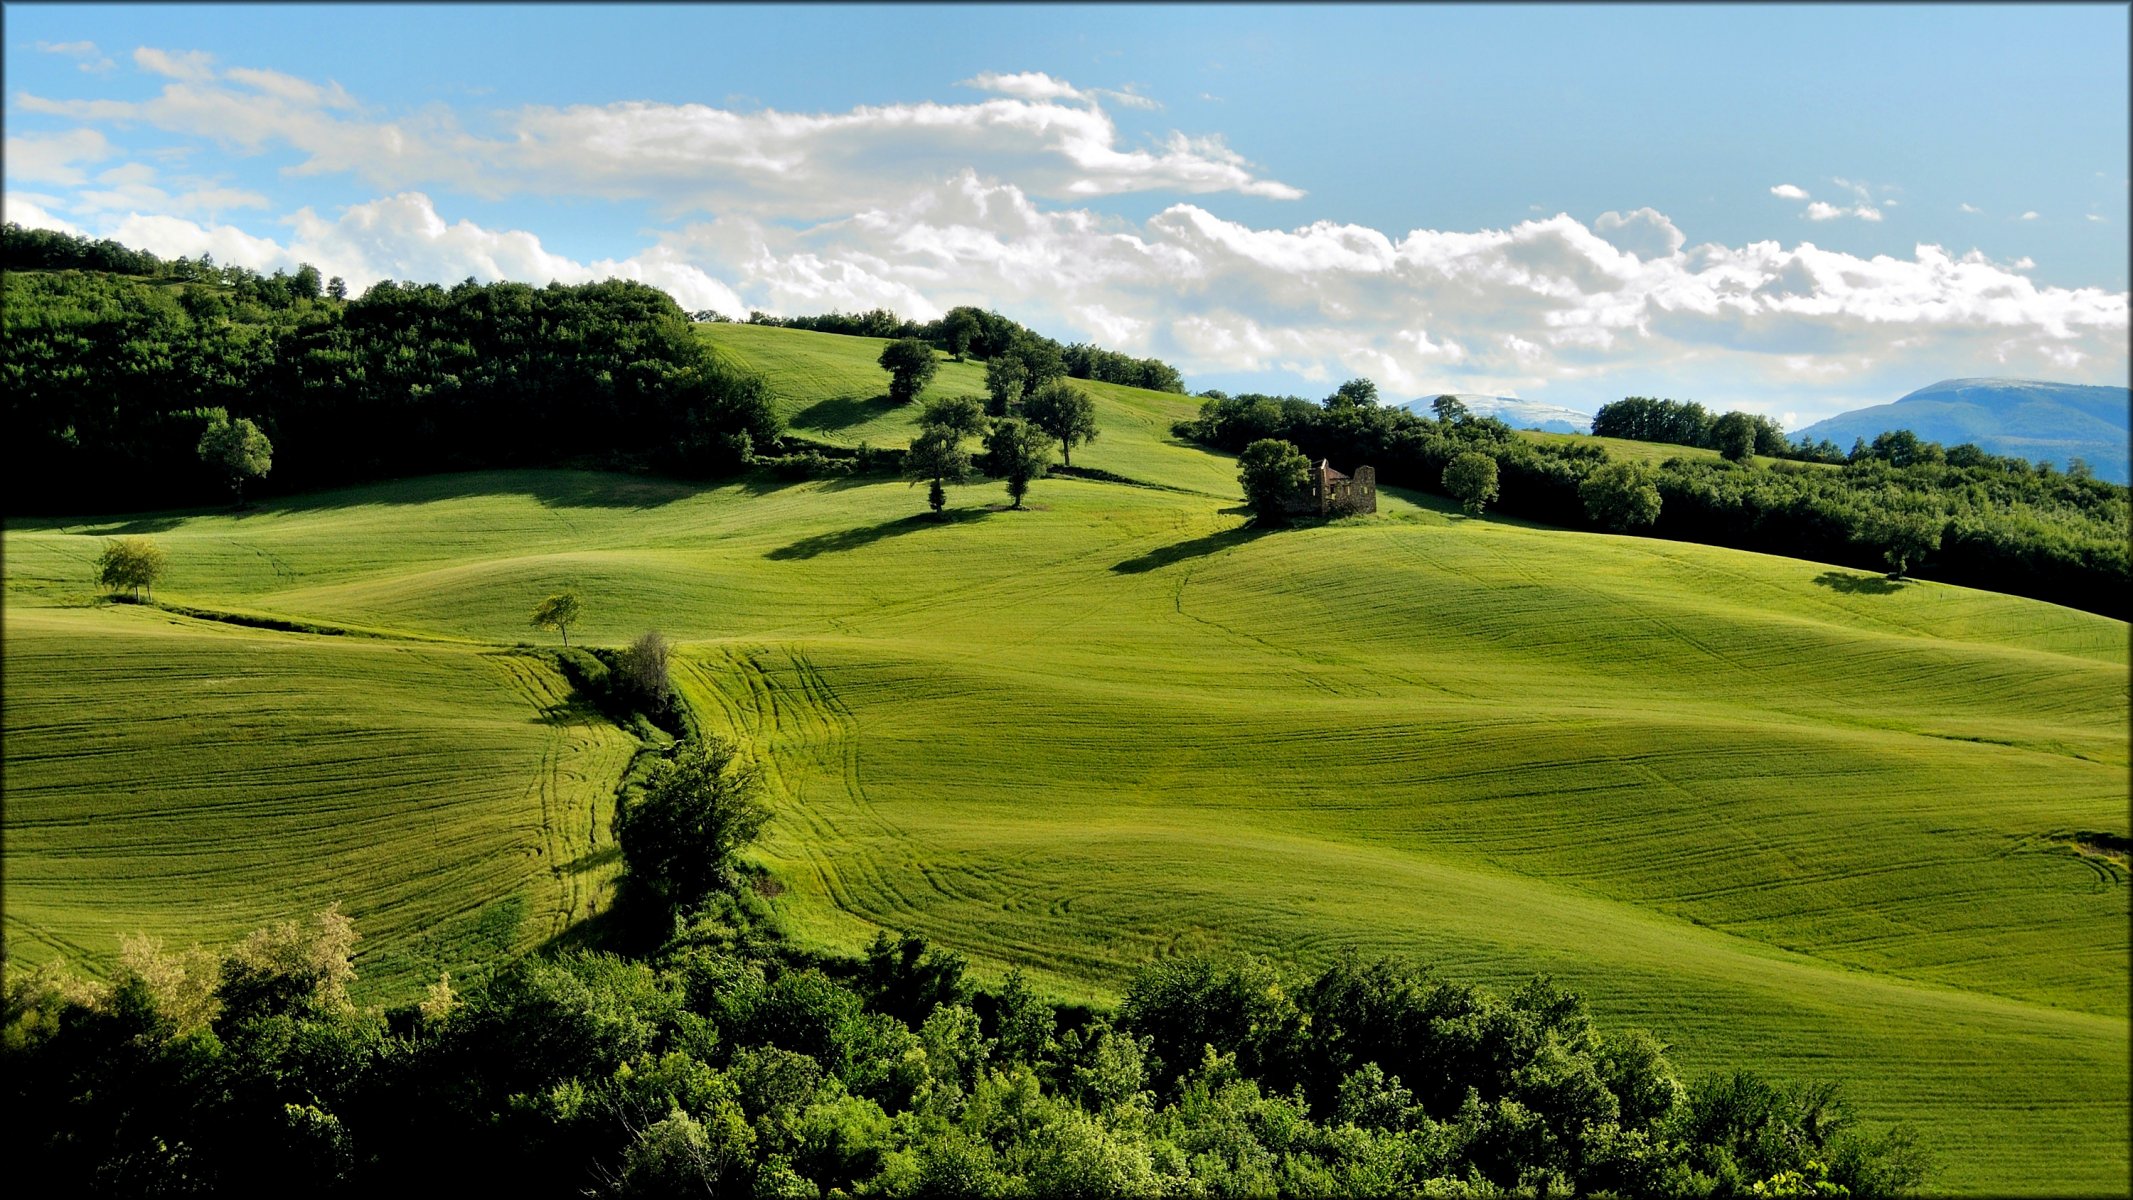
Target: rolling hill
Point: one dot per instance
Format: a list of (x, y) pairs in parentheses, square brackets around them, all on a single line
[(1785, 815), (2022, 418)]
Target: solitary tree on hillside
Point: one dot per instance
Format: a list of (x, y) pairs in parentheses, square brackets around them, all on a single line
[(1356, 393), (959, 329), (1906, 538), (698, 808), (641, 672), (1471, 480), (236, 448), (937, 455), (132, 563), (911, 365), (337, 288), (1065, 412), (1272, 472), (558, 612), (1450, 410), (1021, 452), (1621, 496)]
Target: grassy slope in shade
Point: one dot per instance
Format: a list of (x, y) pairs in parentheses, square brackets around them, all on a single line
[(1787, 816)]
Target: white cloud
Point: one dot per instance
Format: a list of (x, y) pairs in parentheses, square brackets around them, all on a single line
[(2028, 216), (1029, 85), (1054, 139), (28, 213), (1820, 211), (54, 158), (191, 66), (1645, 233), (86, 55), (1789, 191), (2096, 218), (1969, 208)]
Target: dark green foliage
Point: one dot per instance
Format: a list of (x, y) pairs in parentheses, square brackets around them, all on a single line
[(2006, 525), (641, 677), (1018, 452), (907, 980), (1066, 413), (1621, 496), (108, 377), (679, 834), (1471, 479), (911, 366), (1272, 474), (719, 1072)]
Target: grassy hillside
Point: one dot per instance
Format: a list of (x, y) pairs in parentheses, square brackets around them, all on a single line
[(1785, 815)]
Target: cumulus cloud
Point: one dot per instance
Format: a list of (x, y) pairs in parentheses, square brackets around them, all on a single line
[(2031, 215), (1972, 209), (1645, 233), (30, 213), (1822, 211), (55, 158), (1787, 191), (1053, 138)]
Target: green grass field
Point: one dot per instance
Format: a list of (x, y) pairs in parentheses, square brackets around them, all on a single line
[(1786, 815)]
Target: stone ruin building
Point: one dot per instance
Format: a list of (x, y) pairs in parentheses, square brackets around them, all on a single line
[(1329, 493)]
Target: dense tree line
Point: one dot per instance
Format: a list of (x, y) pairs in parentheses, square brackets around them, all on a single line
[(974, 333), (112, 380), (1687, 423), (726, 1063), (1957, 515)]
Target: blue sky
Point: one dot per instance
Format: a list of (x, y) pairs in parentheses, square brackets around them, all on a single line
[(1724, 202)]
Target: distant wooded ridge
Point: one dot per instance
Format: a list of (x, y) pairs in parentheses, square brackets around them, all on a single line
[(1959, 516)]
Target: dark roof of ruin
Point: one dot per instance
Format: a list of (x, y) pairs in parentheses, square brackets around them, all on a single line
[(1325, 465)]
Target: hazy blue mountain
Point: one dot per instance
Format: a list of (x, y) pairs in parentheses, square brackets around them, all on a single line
[(2020, 417), (1518, 414)]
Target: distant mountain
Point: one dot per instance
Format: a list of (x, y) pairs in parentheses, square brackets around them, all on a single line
[(1518, 414), (2019, 417)]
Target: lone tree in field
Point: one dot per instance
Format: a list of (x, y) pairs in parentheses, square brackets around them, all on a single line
[(1019, 451), (1906, 538), (641, 672), (130, 562), (558, 612), (1272, 473), (1471, 480), (937, 456), (1065, 412), (698, 808), (236, 449), (1621, 496), (910, 364)]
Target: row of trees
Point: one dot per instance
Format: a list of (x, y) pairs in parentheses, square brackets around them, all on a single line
[(975, 333), (724, 1063), (1957, 515)]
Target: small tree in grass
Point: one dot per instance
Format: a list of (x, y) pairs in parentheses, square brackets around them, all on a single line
[(1065, 412), (641, 672), (1906, 538), (132, 563), (1471, 480), (910, 364), (558, 612), (1019, 451), (236, 449), (1621, 496), (1272, 472), (937, 456), (697, 809)]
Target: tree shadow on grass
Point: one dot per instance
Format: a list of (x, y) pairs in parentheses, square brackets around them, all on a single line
[(867, 535), (842, 412), (1851, 584), (1199, 547)]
